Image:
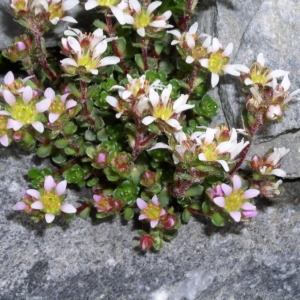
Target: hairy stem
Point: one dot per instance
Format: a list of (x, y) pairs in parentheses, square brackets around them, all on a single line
[(116, 49), (145, 54)]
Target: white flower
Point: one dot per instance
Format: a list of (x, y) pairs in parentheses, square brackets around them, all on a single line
[(56, 9), (86, 51), (142, 18), (117, 7), (163, 108)]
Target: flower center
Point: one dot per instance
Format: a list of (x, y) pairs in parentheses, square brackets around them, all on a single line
[(57, 106), (87, 61), (55, 11), (210, 151), (24, 112), (52, 202), (234, 201), (3, 121), (152, 212), (142, 19), (163, 112), (216, 62), (20, 4), (259, 74), (198, 52), (108, 3)]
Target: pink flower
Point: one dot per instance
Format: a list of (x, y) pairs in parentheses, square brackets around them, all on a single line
[(24, 110), (234, 200), (57, 104), (48, 200), (150, 211)]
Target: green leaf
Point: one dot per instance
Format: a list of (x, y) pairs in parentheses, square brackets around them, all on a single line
[(61, 143), (100, 24), (128, 213), (217, 219), (164, 197), (70, 128), (44, 151), (139, 61), (84, 214), (186, 216), (194, 190)]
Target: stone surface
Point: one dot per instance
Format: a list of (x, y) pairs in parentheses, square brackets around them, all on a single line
[(271, 27), (96, 259)]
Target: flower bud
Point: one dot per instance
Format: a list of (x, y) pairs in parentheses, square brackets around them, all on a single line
[(146, 242)]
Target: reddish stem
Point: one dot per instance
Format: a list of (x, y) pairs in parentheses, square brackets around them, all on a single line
[(42, 55), (116, 50), (252, 130), (184, 22), (145, 54), (81, 208)]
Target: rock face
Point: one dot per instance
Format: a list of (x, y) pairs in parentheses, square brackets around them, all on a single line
[(96, 260), (270, 27)]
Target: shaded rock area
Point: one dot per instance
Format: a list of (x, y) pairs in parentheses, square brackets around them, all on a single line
[(97, 259)]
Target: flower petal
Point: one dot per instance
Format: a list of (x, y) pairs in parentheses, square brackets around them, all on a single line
[(251, 193), (19, 206), (155, 200), (220, 201), (4, 140), (109, 60), (153, 223), (235, 215), (141, 204), (61, 188), (226, 189), (49, 183), (43, 105), (33, 193), (9, 97), (27, 94), (237, 182), (37, 205), (148, 120), (248, 206), (49, 217), (68, 208), (53, 117), (38, 126)]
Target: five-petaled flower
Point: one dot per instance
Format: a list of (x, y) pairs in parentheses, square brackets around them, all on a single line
[(143, 19), (234, 199), (48, 200), (150, 211), (117, 7), (24, 110), (164, 109), (86, 52), (58, 104), (54, 9)]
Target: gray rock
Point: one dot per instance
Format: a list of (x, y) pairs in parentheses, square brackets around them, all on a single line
[(270, 27), (96, 259)]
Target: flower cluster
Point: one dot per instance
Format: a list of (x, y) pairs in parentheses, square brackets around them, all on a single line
[(54, 10), (218, 145), (124, 110), (268, 95), (207, 52)]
